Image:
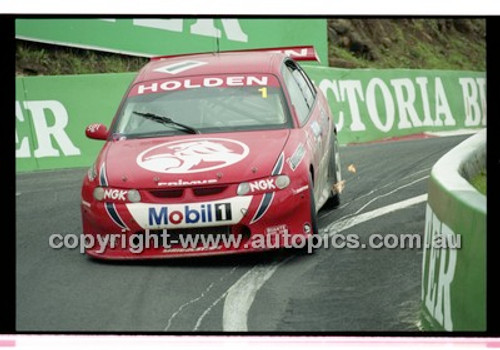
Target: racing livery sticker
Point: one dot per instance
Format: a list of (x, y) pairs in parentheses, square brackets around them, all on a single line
[(115, 194), (228, 211), (267, 199), (262, 185), (109, 194), (114, 216), (190, 156), (93, 127), (180, 67), (316, 129), (277, 230), (182, 182), (296, 157), (103, 179), (205, 81)]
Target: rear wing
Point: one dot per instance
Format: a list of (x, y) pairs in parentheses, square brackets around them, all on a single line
[(298, 53)]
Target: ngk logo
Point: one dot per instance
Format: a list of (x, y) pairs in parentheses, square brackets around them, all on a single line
[(262, 185), (115, 194)]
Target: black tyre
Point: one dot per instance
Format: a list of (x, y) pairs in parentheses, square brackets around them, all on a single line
[(314, 214), (304, 250), (335, 173)]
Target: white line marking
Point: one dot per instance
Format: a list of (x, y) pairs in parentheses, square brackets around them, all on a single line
[(207, 311), (426, 170), (344, 224), (183, 306), (457, 132), (389, 193), (241, 295), (192, 301)]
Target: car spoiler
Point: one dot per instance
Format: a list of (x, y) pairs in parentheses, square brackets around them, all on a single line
[(298, 53)]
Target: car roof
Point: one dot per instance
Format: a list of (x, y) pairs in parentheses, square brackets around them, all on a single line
[(212, 64)]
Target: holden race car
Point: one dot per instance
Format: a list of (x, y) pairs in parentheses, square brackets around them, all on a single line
[(234, 144)]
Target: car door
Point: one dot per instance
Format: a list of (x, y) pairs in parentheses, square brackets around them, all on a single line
[(313, 120)]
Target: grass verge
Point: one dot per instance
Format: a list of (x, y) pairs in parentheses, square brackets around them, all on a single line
[(479, 182)]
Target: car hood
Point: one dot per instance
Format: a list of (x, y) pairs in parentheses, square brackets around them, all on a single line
[(185, 160)]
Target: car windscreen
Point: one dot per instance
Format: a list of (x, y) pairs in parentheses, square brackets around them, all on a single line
[(222, 103)]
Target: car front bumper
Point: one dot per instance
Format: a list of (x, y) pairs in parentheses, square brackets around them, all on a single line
[(259, 222)]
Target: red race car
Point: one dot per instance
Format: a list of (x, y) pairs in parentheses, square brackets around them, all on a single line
[(212, 153)]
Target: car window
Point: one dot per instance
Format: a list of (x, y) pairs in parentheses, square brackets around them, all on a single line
[(303, 81), (231, 106), (308, 80), (300, 94)]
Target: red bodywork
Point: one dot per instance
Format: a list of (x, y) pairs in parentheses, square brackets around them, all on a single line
[(202, 196)]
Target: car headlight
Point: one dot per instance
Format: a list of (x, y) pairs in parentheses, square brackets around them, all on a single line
[(134, 196), (99, 193), (243, 188), (282, 181)]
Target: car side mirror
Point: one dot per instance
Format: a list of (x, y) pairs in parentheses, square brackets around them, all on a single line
[(96, 131)]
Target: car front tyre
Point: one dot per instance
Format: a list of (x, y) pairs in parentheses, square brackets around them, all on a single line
[(312, 205), (334, 200)]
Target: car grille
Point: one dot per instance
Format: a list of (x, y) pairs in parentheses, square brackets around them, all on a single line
[(207, 191), (178, 192), (167, 193)]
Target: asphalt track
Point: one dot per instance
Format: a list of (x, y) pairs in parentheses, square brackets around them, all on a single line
[(336, 290)]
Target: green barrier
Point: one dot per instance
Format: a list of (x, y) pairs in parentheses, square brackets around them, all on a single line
[(52, 112), (371, 104), (454, 265), (155, 36)]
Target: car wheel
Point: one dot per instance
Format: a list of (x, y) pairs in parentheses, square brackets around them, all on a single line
[(334, 172), (304, 250), (314, 214)]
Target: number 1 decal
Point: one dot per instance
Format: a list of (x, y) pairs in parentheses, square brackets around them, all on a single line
[(263, 91)]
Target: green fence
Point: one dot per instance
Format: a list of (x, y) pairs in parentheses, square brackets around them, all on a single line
[(374, 104), (168, 36), (53, 111), (454, 264)]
